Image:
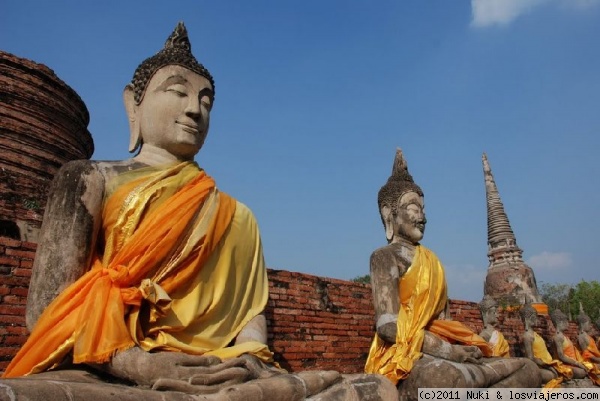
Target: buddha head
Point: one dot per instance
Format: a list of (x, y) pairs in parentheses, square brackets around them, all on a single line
[(528, 315), (401, 205), (560, 320), (169, 100), (489, 311), (584, 321)]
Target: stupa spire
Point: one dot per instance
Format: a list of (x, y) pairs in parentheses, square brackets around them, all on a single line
[(500, 233), (509, 279)]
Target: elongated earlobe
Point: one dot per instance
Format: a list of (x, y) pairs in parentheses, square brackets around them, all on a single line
[(386, 214), (135, 138)]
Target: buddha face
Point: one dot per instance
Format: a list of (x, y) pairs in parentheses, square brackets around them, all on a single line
[(490, 316), (409, 220), (175, 111)]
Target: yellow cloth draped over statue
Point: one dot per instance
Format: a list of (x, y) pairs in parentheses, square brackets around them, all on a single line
[(182, 270), (423, 296), (593, 370), (541, 351), (499, 345)]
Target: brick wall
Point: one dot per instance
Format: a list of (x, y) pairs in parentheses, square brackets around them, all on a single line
[(314, 322), (16, 260)]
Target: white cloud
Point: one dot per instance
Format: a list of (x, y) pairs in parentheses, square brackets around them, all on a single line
[(502, 12), (550, 261)]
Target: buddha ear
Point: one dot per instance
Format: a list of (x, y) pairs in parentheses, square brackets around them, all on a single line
[(388, 221), (134, 126)]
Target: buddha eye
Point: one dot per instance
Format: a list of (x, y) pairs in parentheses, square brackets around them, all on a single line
[(179, 90), (206, 101)]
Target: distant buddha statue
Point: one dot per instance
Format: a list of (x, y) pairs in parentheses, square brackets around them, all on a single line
[(416, 344), (489, 314), (565, 349), (553, 371), (149, 274), (587, 345)]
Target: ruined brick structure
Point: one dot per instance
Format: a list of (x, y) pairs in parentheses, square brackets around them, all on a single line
[(43, 124), (509, 280)]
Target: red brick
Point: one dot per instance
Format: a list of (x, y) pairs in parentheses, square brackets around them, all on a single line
[(9, 242), (28, 264), (21, 291), (12, 310), (20, 272), (14, 300), (21, 253), (29, 245), (6, 261)]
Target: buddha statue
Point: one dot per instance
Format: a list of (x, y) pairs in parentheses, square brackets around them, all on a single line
[(564, 347), (147, 274), (587, 345), (416, 343), (552, 371), (489, 314)]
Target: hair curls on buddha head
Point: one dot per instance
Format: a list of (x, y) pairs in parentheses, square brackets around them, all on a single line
[(487, 303), (558, 316), (528, 312), (582, 318), (399, 183), (177, 51)]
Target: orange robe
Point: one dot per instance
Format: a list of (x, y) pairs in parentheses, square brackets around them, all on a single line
[(423, 296), (174, 245), (541, 351), (593, 370), (591, 350)]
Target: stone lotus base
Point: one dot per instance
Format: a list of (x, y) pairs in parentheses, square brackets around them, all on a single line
[(77, 385)]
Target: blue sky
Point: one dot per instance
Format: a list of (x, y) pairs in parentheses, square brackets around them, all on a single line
[(313, 97)]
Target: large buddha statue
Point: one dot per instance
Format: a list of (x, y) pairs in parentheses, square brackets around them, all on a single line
[(489, 314), (147, 274), (416, 344), (553, 371)]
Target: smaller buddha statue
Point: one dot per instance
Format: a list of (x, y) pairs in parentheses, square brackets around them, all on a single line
[(416, 343), (587, 345), (552, 371), (565, 349), (489, 314)]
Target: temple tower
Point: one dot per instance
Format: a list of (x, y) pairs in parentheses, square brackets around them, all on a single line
[(509, 280)]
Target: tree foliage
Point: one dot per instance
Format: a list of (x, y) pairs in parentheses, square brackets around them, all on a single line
[(366, 279), (567, 298)]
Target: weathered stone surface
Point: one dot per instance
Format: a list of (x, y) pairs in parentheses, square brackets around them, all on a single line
[(493, 372), (77, 385), (43, 124)]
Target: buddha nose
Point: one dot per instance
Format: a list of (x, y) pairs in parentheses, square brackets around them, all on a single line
[(193, 107)]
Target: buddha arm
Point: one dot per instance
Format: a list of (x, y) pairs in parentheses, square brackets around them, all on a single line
[(68, 235), (560, 353), (384, 283)]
